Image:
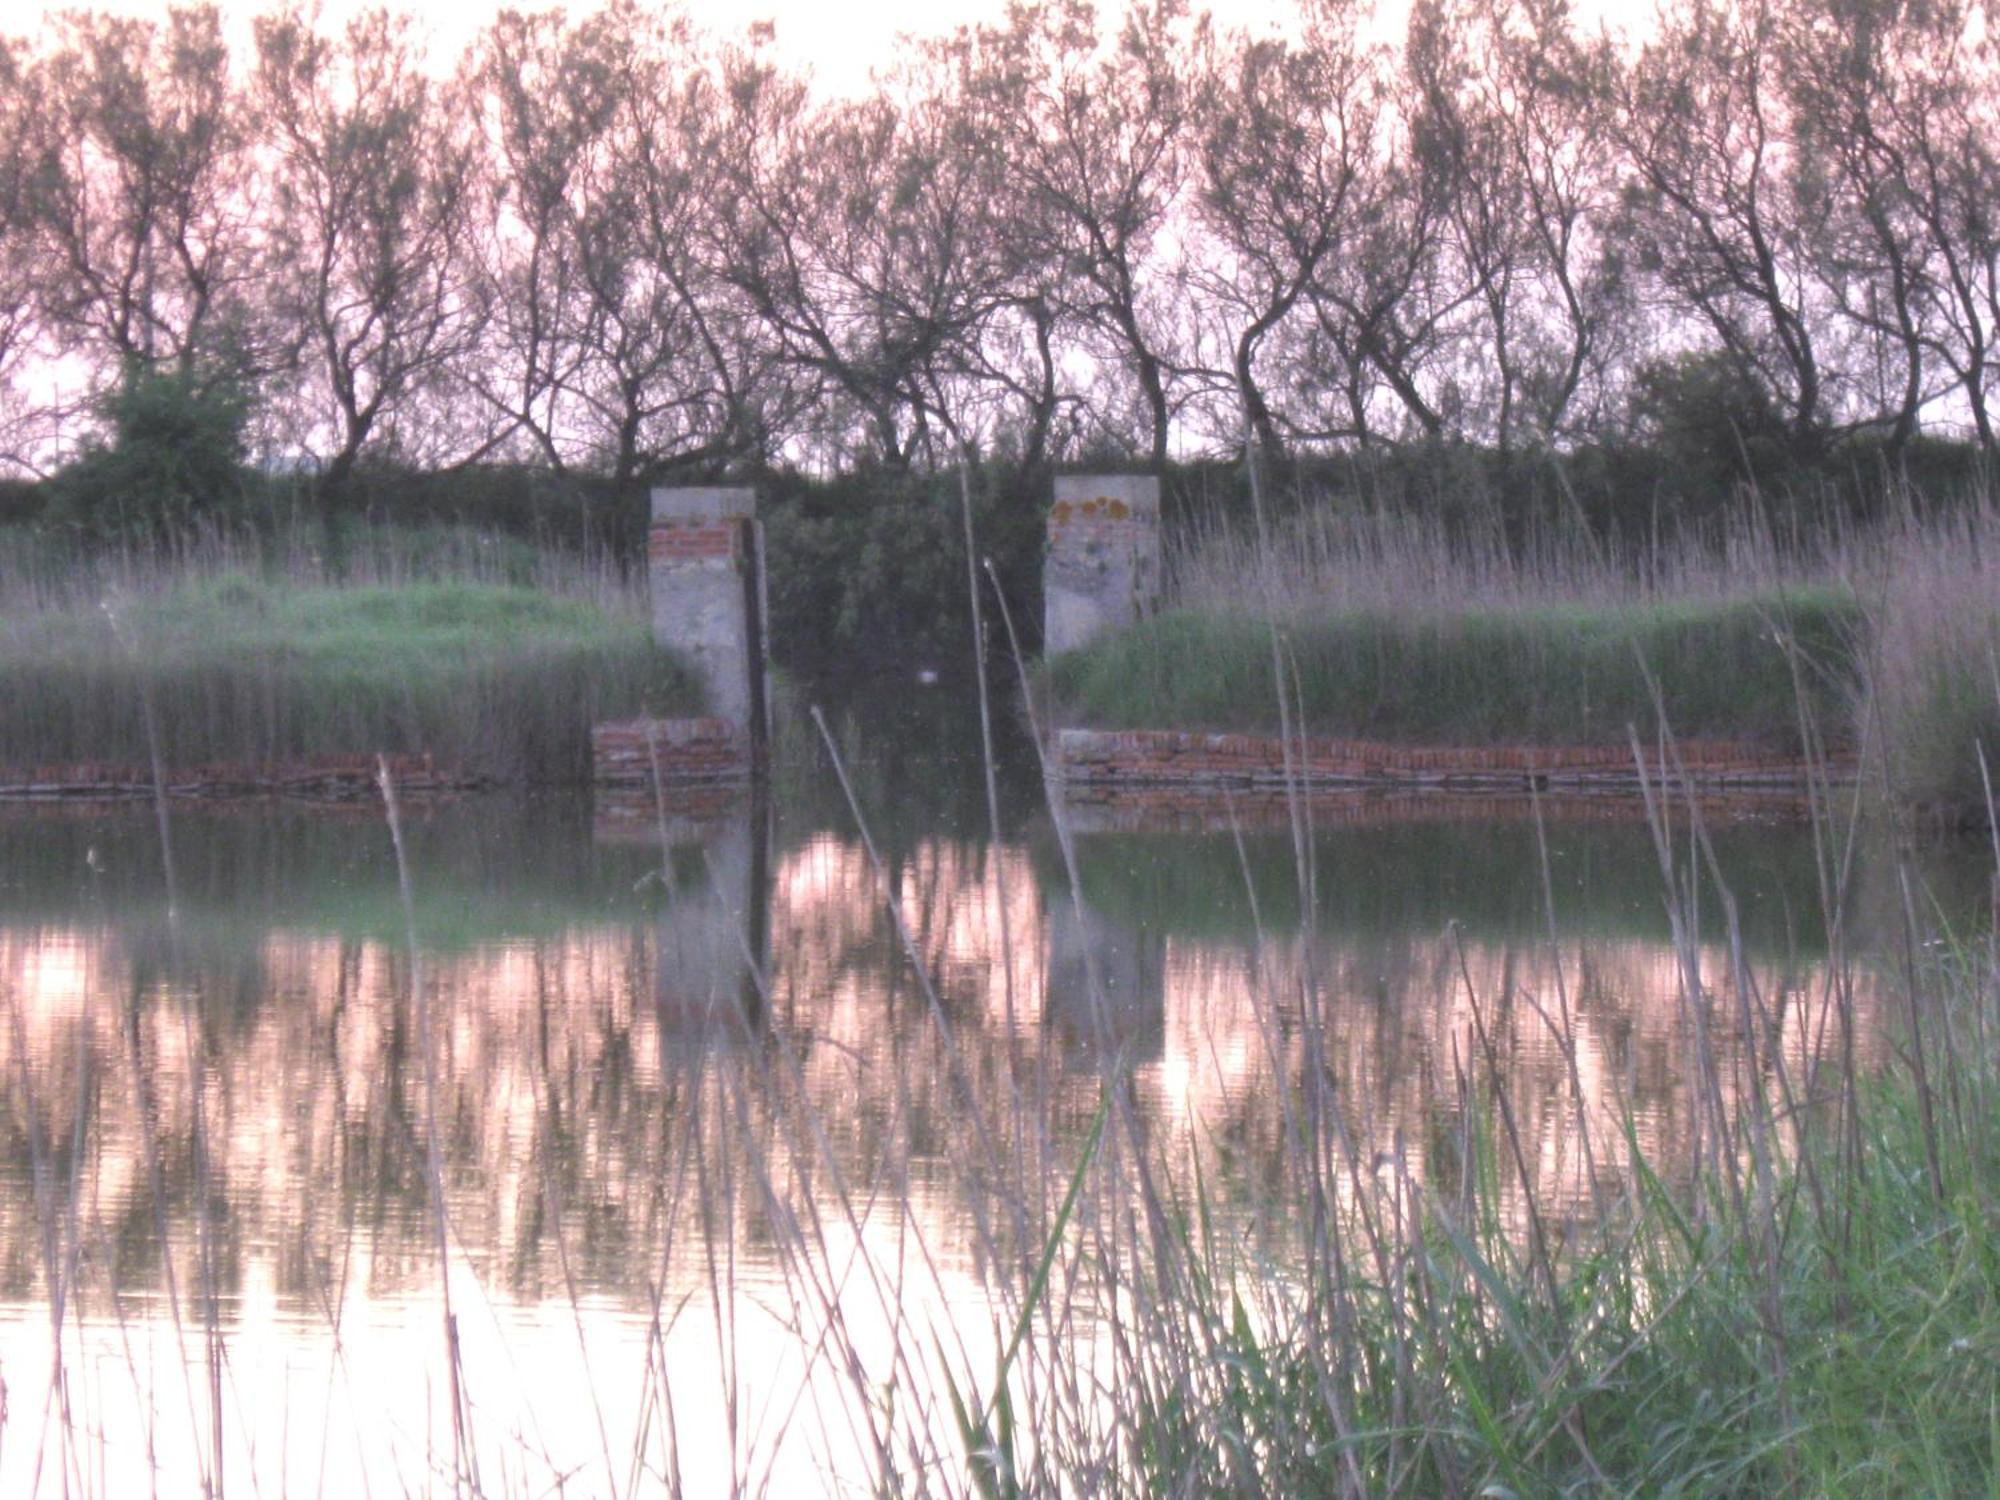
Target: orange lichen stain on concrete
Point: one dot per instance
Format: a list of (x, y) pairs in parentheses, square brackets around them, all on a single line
[(1098, 508)]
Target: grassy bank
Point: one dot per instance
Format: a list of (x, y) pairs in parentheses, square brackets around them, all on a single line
[(1828, 1329), (1793, 1289), (287, 663), (1885, 637), (1387, 628), (1549, 673)]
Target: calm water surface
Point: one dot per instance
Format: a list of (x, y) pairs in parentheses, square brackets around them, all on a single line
[(724, 1173)]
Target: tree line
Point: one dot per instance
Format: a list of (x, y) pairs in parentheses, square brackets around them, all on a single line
[(608, 244)]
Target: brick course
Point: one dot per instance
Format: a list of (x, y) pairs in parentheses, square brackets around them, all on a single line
[(1153, 757), (689, 750), (331, 778), (678, 541)]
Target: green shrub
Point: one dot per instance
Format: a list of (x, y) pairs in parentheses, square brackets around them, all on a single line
[(172, 455)]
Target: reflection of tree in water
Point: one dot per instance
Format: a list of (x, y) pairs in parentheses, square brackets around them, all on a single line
[(1403, 1049), (611, 1107)]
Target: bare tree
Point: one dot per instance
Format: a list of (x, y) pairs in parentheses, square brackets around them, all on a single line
[(1286, 153), (369, 171), (1715, 212), (1897, 107), (863, 235), (141, 192), (1390, 312), (22, 434), (616, 347), (1094, 138), (1511, 115)]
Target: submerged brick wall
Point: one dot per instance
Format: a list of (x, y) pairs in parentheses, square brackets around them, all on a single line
[(707, 749), (1189, 807), (1156, 757), (319, 778)]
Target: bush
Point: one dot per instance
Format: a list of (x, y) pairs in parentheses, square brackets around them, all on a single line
[(172, 456)]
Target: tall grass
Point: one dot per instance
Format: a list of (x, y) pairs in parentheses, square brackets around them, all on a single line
[(1887, 635), (1387, 629), (408, 644), (1933, 664)]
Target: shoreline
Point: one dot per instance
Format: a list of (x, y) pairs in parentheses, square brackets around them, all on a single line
[(327, 778), (1096, 762)]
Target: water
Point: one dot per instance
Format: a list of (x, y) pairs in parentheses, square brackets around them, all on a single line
[(726, 1180)]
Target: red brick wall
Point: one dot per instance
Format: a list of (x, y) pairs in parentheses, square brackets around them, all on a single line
[(324, 777), (687, 749), (1159, 757), (676, 541)]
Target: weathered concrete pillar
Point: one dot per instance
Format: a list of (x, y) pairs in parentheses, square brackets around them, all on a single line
[(1107, 982), (1103, 569), (716, 924), (705, 565)]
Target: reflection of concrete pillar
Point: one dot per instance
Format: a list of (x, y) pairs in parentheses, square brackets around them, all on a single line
[(704, 553), (1107, 984), (1103, 569), (718, 906)]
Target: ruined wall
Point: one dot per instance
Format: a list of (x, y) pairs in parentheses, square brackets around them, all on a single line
[(1104, 563), (702, 557), (1133, 757)]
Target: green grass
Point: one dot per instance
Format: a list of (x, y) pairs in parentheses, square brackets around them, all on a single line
[(1674, 1358), (1548, 673), (503, 679), (1934, 663)]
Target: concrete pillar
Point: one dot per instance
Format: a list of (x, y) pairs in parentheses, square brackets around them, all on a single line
[(705, 564), (716, 922), (1103, 569), (1107, 985)]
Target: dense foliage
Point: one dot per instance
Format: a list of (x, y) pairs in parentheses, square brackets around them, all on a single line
[(604, 246)]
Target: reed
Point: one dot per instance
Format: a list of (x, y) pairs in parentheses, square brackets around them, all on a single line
[(1392, 628), (417, 649), (1795, 1292), (1933, 660)]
